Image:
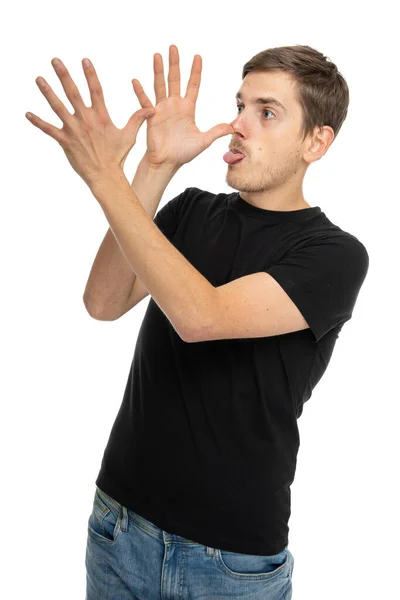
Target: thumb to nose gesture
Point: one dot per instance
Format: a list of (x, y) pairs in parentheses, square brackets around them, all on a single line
[(92, 143)]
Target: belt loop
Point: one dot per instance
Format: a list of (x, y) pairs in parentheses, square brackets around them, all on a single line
[(125, 518), (210, 551)]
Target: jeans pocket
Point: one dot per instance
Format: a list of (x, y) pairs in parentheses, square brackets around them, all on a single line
[(104, 523), (252, 566)]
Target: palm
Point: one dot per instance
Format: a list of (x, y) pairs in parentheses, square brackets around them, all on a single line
[(172, 132)]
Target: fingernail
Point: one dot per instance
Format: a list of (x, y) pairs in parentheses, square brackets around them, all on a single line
[(86, 62)]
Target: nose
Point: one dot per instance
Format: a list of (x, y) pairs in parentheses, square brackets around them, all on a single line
[(237, 123), (235, 126), (234, 122)]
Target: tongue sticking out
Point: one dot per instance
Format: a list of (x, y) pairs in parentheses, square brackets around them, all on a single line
[(232, 157)]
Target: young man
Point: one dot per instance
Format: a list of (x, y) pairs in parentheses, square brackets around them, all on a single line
[(204, 446), (249, 291)]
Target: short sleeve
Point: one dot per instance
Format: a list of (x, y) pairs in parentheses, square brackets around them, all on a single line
[(167, 217), (323, 279)]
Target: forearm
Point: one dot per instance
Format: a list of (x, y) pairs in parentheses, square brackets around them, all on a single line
[(184, 295), (111, 278)]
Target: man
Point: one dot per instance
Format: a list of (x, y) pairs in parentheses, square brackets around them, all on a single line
[(249, 292)]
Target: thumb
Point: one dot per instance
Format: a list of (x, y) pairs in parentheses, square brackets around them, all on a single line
[(145, 113), (216, 132), (138, 118)]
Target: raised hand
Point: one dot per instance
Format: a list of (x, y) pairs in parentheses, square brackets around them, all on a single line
[(172, 136), (90, 140)]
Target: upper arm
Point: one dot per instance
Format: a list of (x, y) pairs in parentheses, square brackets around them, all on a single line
[(315, 286)]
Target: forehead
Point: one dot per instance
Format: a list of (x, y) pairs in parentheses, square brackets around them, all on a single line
[(259, 88)]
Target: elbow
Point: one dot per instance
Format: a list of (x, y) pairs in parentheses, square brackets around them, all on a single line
[(201, 333), (186, 333), (97, 314), (199, 327)]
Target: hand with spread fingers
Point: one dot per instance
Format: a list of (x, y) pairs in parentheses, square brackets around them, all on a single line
[(92, 143), (173, 138)]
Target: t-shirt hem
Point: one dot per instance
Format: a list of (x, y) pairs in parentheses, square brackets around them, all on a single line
[(201, 537)]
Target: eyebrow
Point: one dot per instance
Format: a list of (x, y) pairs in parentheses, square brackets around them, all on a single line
[(263, 101)]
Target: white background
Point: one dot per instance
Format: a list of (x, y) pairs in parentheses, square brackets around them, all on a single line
[(64, 373)]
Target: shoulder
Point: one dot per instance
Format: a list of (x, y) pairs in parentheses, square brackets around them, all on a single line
[(197, 201), (335, 241)]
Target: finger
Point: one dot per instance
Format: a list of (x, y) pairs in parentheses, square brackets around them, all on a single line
[(53, 100), (192, 90), (174, 74), (144, 100), (217, 132), (69, 86), (96, 91), (136, 121), (52, 131), (159, 81)]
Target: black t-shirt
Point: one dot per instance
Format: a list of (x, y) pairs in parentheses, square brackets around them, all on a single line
[(205, 442)]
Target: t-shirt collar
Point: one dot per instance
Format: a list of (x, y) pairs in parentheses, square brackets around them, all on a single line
[(272, 216)]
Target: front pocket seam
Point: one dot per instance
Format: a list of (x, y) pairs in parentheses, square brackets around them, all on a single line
[(103, 510), (98, 537), (248, 576)]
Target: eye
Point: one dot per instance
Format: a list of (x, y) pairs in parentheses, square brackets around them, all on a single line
[(264, 111)]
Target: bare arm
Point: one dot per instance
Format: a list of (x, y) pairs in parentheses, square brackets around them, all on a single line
[(111, 278), (173, 139)]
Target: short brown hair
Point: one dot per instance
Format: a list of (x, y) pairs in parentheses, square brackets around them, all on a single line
[(322, 91)]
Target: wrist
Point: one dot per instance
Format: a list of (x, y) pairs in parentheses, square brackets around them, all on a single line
[(162, 170), (112, 177)]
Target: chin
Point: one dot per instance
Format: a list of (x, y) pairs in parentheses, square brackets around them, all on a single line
[(232, 175)]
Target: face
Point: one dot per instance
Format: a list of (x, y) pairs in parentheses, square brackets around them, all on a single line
[(269, 136)]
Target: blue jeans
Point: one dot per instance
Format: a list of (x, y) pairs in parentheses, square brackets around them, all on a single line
[(129, 558)]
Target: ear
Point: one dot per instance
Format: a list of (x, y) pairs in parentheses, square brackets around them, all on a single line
[(319, 144)]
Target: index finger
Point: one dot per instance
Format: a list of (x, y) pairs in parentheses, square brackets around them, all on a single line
[(192, 90)]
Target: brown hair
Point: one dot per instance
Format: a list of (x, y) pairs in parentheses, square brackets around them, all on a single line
[(321, 90)]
